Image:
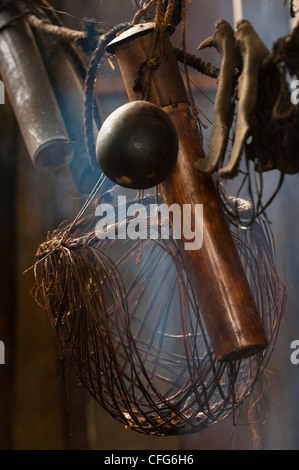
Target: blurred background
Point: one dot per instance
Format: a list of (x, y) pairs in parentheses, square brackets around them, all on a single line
[(41, 404)]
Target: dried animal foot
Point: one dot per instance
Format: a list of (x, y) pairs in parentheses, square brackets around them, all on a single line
[(253, 52), (224, 41)]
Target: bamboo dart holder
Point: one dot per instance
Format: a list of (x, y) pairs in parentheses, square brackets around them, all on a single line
[(31, 96), (215, 271)]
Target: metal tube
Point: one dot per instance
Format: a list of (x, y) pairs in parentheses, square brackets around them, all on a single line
[(32, 97)]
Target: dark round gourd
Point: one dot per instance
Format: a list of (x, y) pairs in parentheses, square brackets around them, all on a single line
[(137, 146)]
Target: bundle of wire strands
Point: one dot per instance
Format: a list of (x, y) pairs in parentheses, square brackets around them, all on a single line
[(128, 325)]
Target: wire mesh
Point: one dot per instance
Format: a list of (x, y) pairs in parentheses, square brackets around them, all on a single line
[(128, 324)]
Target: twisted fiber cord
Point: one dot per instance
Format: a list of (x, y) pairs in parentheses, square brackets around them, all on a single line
[(142, 13), (52, 25), (161, 22), (164, 14), (174, 19), (68, 38), (56, 30), (197, 63), (182, 55)]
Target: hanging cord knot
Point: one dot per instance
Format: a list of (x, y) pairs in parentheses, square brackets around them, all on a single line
[(174, 14), (168, 12), (163, 18)]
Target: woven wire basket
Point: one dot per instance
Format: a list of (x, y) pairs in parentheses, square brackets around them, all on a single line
[(127, 323)]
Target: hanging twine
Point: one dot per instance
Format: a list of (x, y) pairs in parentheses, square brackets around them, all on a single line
[(166, 12), (161, 23)]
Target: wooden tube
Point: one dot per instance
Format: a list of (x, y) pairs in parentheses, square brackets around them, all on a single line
[(32, 97), (215, 270)]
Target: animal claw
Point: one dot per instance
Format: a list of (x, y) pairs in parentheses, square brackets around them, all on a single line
[(253, 52), (245, 50), (265, 110), (209, 42), (224, 41)]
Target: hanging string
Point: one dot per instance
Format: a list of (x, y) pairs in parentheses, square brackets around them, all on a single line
[(65, 234), (89, 200), (161, 23), (166, 11)]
